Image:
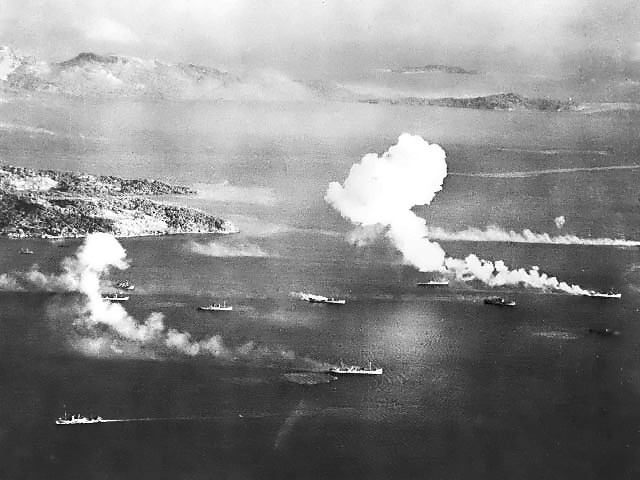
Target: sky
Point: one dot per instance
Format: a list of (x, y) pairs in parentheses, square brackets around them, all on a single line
[(593, 38)]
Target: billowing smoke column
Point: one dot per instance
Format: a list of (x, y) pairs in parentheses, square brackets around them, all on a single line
[(106, 329), (378, 196), (381, 190)]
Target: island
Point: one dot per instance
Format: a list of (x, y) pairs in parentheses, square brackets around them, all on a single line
[(436, 68), (54, 204), (499, 101)]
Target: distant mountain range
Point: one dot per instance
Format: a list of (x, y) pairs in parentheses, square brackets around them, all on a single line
[(89, 74), (93, 75)]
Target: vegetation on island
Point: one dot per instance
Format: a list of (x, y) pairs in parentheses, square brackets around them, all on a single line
[(48, 203), (500, 101)]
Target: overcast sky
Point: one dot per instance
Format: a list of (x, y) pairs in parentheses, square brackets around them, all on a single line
[(546, 36)]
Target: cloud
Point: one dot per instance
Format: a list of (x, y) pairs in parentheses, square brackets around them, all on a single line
[(336, 35), (109, 31)]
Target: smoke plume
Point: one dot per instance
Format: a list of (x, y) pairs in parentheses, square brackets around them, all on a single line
[(559, 221), (496, 234), (102, 328), (380, 192)]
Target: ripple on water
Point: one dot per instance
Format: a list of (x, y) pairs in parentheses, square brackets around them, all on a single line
[(309, 378)]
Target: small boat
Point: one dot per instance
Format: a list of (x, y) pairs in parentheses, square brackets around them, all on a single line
[(26, 251), (355, 370), (125, 285), (77, 418), (217, 307), (499, 301), (115, 297), (309, 297), (434, 283)]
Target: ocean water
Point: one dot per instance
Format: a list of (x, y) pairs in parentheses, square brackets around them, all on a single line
[(468, 391)]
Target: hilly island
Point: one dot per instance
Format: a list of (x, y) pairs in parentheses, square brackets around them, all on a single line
[(53, 204)]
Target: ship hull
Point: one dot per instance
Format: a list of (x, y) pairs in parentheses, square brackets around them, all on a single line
[(377, 371)]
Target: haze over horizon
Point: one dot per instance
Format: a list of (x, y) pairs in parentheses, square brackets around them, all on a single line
[(585, 39)]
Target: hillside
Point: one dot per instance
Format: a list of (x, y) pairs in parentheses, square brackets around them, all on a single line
[(92, 75), (47, 203)]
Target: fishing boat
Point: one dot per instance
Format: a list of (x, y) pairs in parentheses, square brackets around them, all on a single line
[(115, 297), (217, 307), (355, 370)]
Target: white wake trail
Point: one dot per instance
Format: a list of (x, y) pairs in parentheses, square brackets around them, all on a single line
[(496, 234)]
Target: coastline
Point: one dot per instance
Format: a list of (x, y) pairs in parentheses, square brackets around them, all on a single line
[(49, 204)]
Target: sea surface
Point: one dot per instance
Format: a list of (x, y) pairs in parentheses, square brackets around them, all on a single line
[(468, 391)]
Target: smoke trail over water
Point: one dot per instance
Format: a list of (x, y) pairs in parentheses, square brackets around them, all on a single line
[(102, 328), (378, 196), (496, 234)]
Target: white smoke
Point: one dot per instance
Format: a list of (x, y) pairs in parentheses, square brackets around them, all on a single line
[(559, 221), (382, 190), (103, 328), (308, 297), (496, 234)]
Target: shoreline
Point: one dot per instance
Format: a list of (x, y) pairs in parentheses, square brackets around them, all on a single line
[(49, 204)]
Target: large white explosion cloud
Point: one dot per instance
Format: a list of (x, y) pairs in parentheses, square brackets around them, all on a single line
[(379, 194), (381, 190)]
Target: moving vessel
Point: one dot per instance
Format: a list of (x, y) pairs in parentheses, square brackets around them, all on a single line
[(499, 301), (77, 418), (115, 297), (26, 251), (355, 370), (604, 295), (217, 307)]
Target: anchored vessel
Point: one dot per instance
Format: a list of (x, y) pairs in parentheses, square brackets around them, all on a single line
[(217, 307), (355, 370), (125, 285), (115, 297), (434, 283), (77, 418), (499, 301)]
